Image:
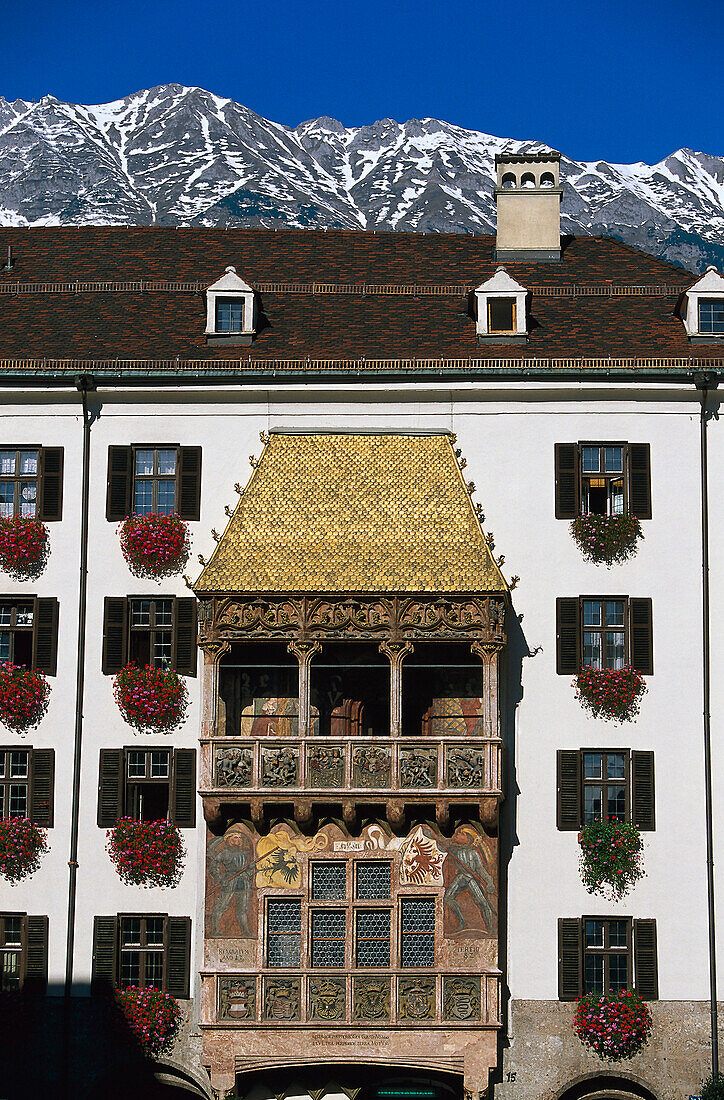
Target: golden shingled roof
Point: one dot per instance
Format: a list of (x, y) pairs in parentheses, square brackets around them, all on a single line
[(329, 513)]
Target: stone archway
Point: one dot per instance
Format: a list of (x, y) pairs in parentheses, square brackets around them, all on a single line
[(607, 1086)]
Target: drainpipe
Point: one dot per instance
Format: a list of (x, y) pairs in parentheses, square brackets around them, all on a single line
[(703, 383), (84, 384)]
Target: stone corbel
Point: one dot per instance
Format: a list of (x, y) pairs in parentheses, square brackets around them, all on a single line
[(304, 651), (395, 653), (489, 654), (303, 813), (212, 811), (396, 814), (349, 816)]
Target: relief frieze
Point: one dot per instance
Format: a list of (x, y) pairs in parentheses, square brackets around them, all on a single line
[(280, 767), (237, 1000), (418, 767), (465, 767), (282, 999), (371, 1001), (372, 766), (327, 999), (461, 999), (325, 766), (233, 766), (416, 999)]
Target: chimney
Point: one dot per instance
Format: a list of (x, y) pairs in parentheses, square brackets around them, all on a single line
[(528, 199)]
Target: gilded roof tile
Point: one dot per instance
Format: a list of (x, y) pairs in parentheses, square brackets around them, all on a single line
[(333, 513)]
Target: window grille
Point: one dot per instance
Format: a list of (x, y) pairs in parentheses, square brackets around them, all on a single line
[(284, 931), (329, 881), (142, 951), (607, 949), (154, 480), (14, 779), (604, 786), (418, 932), (328, 937), (373, 881), (373, 937)]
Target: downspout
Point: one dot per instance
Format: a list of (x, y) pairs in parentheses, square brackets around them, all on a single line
[(703, 383), (84, 384)]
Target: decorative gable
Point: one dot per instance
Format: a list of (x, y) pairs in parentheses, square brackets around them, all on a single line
[(703, 310), (500, 310), (230, 310)]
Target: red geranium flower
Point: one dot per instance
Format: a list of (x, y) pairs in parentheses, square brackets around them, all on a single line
[(24, 695), (22, 843), (146, 853), (611, 857), (606, 539), (154, 1017), (611, 693), (614, 1025), (155, 545), (24, 546), (151, 698)]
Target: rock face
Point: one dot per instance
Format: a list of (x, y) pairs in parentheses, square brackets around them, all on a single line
[(182, 156)]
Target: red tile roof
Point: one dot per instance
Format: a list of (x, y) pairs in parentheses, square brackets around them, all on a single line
[(577, 307)]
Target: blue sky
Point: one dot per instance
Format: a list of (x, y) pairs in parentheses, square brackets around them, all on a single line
[(619, 80)]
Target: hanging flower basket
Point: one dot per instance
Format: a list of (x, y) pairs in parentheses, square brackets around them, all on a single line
[(606, 539), (154, 1017), (151, 698), (22, 843), (24, 695), (614, 1025), (611, 858), (146, 853), (24, 547), (155, 545), (610, 693)]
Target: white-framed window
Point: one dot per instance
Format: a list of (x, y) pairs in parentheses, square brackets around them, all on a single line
[(501, 308), (703, 311), (230, 309)]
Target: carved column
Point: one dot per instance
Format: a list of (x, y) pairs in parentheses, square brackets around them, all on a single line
[(304, 651), (489, 653), (396, 653), (213, 652)]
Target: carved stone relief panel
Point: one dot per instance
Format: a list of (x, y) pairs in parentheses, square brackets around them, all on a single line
[(465, 767), (233, 767), (461, 999), (372, 766), (416, 999), (282, 999), (280, 767), (418, 767), (237, 999), (371, 1001), (325, 766), (327, 999)]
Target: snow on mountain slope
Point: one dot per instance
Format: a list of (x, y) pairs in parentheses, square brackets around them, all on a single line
[(173, 155)]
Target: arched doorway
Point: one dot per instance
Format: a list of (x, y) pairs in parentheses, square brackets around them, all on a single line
[(607, 1086), (353, 1081)]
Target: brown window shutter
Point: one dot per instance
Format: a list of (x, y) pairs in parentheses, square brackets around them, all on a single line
[(569, 789), (120, 478), (110, 787), (568, 637), (567, 489), (642, 791), (45, 636), (189, 482), (185, 626), (570, 966), (50, 495), (645, 960), (115, 631), (42, 777), (105, 936), (642, 636), (184, 788), (178, 955), (639, 473), (36, 954)]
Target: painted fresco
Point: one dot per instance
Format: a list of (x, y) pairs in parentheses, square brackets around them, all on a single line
[(230, 901), (470, 875)]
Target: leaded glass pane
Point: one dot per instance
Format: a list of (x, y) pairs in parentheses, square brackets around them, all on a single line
[(154, 931), (167, 460), (144, 462), (7, 498), (284, 931), (7, 462), (162, 647), (166, 497), (143, 497), (373, 937), (616, 803), (615, 765), (373, 880), (613, 459), (592, 649), (18, 805), (618, 972), (592, 613), (594, 933), (617, 933), (614, 649), (140, 613), (163, 611), (591, 804), (159, 765), (418, 932), (24, 616), (130, 967), (329, 881), (18, 765), (592, 763), (13, 931), (328, 937), (136, 765), (591, 459)]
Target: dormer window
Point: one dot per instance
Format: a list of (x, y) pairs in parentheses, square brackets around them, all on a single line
[(703, 309), (230, 310), (501, 313)]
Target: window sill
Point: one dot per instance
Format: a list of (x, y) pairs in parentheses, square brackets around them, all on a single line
[(502, 338), (706, 338), (230, 339)]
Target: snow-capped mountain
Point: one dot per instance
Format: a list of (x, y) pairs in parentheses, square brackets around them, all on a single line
[(183, 156)]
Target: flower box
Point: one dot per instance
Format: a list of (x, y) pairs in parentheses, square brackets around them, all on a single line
[(614, 1025), (611, 858), (610, 693), (146, 853), (606, 539), (24, 695), (24, 547), (155, 545), (153, 1016), (151, 698), (22, 843)]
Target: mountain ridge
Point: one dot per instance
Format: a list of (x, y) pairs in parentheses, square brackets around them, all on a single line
[(177, 155)]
